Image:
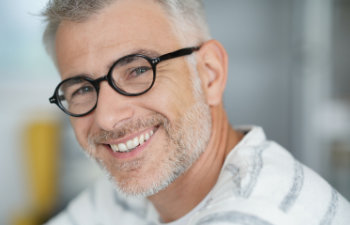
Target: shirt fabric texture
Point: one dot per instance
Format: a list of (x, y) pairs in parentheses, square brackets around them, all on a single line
[(260, 183)]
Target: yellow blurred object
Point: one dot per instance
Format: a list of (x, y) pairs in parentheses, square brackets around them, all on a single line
[(41, 144), (24, 219)]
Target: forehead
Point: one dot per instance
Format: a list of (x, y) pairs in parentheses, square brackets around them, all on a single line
[(120, 28)]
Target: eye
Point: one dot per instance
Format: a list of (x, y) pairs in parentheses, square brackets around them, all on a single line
[(136, 72), (82, 91)]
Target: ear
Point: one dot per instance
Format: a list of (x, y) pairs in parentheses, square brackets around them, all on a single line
[(212, 67)]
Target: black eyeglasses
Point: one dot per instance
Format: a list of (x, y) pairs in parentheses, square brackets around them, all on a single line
[(131, 75)]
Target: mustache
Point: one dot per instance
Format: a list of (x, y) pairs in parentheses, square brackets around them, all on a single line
[(156, 119)]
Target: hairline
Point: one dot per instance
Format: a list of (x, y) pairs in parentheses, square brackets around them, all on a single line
[(179, 26)]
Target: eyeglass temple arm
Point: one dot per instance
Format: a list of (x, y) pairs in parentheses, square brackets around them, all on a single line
[(178, 53)]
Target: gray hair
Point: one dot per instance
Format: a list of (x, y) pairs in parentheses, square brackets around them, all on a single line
[(186, 16)]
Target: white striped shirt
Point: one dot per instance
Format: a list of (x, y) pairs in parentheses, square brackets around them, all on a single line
[(260, 184)]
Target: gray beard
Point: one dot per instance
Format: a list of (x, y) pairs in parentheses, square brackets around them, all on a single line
[(189, 135)]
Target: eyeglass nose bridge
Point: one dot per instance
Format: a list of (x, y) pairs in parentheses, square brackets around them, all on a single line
[(108, 78), (97, 81)]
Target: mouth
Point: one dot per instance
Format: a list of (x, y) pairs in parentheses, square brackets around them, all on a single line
[(128, 147)]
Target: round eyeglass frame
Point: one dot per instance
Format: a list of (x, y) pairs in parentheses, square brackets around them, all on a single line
[(55, 99)]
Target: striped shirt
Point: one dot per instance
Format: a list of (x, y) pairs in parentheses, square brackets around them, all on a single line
[(260, 184)]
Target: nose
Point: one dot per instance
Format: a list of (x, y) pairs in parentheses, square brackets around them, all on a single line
[(112, 108)]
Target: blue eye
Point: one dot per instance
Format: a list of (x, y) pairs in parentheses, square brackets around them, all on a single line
[(139, 71), (83, 91)]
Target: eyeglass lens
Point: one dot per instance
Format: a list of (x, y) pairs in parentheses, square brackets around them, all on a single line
[(132, 74)]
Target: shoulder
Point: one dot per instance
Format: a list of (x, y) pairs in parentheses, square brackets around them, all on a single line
[(262, 183), (102, 204)]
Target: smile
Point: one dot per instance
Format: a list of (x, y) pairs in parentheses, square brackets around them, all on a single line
[(132, 143)]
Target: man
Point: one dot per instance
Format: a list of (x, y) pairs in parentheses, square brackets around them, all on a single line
[(142, 83)]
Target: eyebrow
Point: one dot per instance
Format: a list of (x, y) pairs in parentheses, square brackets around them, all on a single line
[(141, 51)]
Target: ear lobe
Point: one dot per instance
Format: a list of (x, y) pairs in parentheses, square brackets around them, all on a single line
[(212, 67)]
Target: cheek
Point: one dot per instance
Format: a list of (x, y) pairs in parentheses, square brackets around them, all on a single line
[(173, 92), (82, 129)]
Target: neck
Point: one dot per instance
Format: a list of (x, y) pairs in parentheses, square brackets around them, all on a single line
[(189, 189)]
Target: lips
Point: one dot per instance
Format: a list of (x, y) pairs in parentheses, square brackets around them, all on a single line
[(132, 143)]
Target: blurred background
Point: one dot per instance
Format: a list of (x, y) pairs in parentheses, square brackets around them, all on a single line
[(289, 73)]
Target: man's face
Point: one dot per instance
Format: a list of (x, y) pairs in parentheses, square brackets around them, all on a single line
[(170, 124)]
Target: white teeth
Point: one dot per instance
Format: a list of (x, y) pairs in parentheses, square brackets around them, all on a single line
[(122, 147), (142, 139), (135, 141), (132, 143), (114, 148)]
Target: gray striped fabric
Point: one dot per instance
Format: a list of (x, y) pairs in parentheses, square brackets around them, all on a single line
[(295, 189), (332, 209), (232, 217)]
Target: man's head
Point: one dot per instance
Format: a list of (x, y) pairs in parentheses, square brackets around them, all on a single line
[(143, 142)]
